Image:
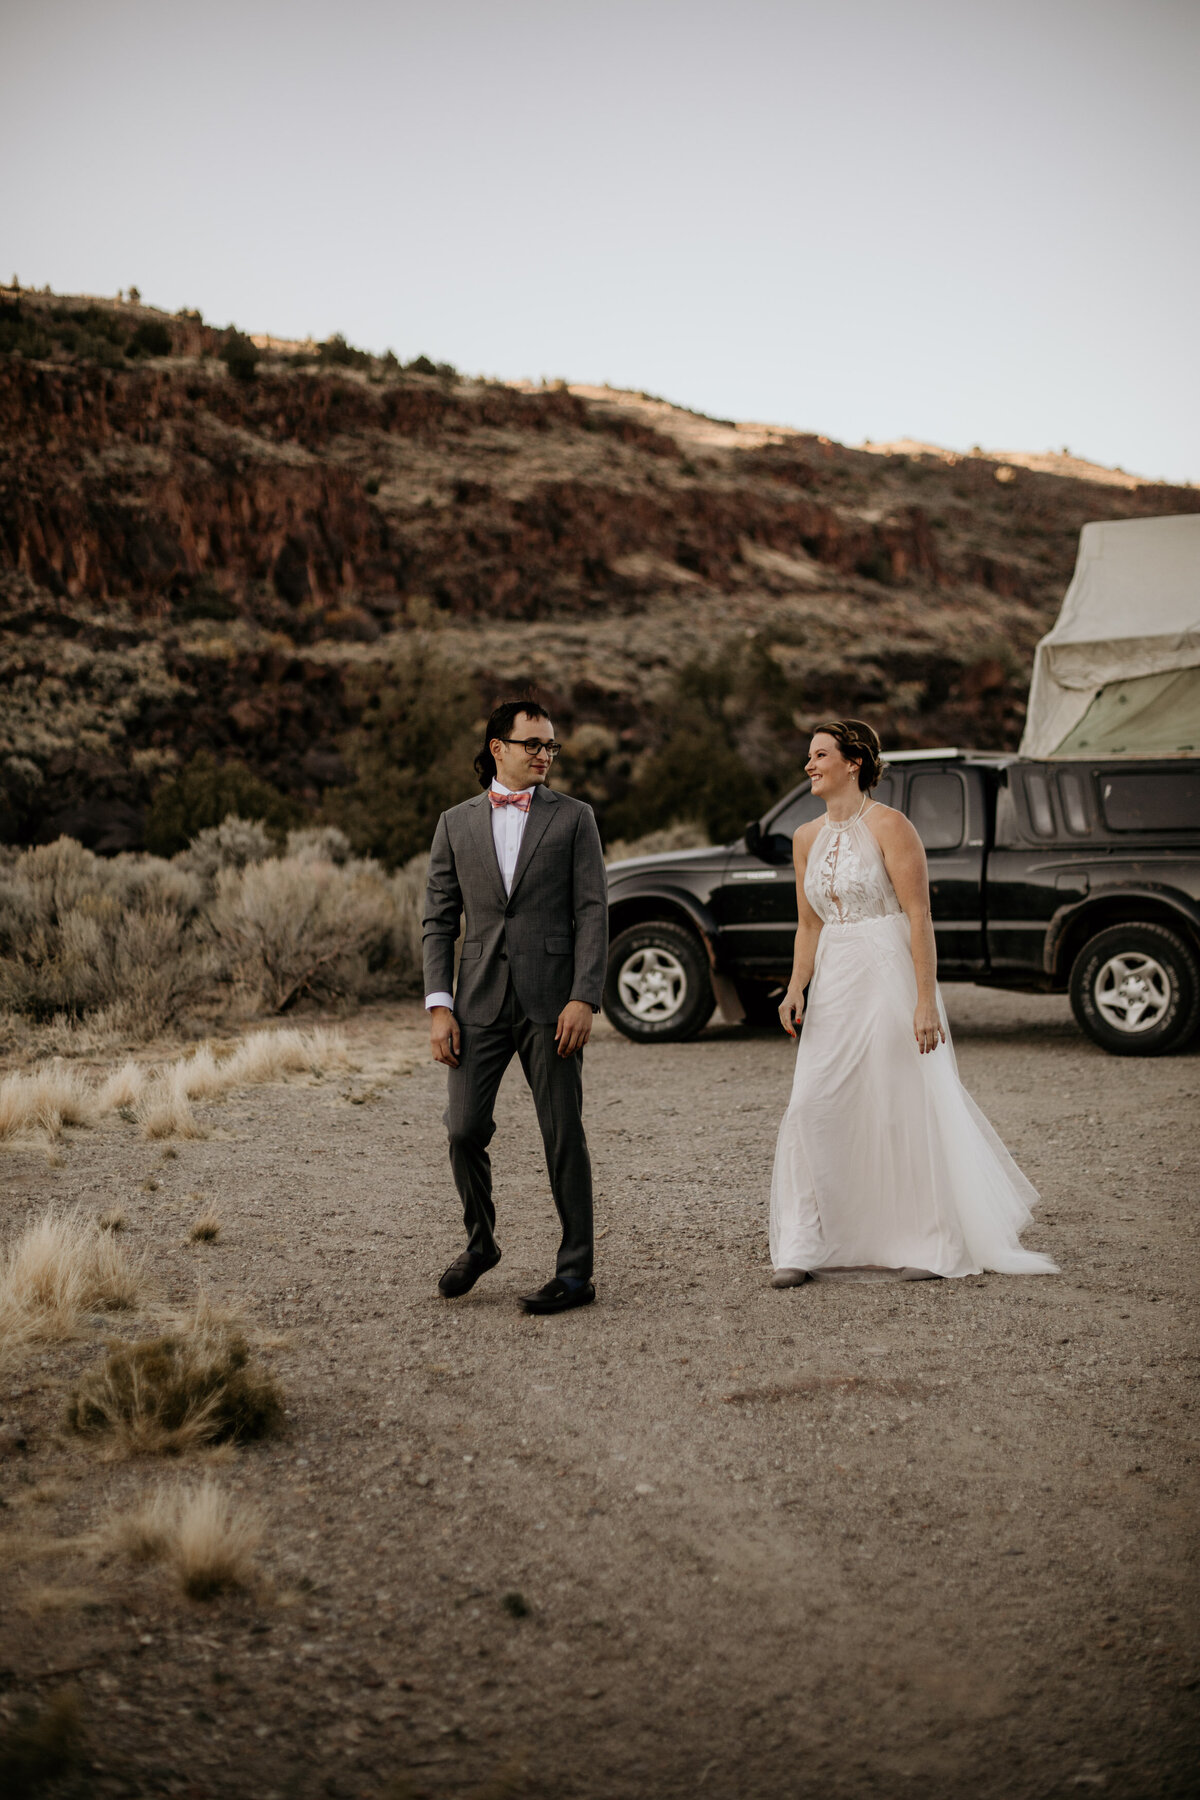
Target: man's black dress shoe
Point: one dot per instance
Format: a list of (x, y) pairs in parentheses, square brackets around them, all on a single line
[(557, 1296), (464, 1272)]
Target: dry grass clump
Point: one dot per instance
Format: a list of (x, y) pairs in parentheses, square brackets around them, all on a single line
[(60, 1267), (124, 1087), (165, 1109), (48, 1099), (266, 1055), (169, 1394), (112, 1220), (199, 1077), (208, 1538), (206, 1229)]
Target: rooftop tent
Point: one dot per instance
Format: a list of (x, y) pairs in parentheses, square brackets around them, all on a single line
[(1120, 672)]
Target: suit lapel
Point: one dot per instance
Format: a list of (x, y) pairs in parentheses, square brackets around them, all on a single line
[(540, 813), (485, 843)]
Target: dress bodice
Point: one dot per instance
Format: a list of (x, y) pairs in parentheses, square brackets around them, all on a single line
[(845, 880)]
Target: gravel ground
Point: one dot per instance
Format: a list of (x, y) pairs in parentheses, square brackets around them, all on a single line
[(703, 1538)]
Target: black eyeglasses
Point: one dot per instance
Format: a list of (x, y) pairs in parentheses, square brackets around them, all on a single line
[(535, 746)]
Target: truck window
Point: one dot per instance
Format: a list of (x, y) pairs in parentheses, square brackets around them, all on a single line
[(1162, 800), (1037, 798), (936, 806), (1073, 796)]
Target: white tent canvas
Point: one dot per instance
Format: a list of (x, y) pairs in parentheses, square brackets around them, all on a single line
[(1120, 672)]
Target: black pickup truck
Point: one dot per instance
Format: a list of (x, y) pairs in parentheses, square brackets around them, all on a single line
[(1077, 877)]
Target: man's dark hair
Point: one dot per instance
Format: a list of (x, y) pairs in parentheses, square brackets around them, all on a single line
[(500, 726)]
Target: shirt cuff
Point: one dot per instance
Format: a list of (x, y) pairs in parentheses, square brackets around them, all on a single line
[(432, 1000)]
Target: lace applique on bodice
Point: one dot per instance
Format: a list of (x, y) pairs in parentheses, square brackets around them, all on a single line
[(845, 881)]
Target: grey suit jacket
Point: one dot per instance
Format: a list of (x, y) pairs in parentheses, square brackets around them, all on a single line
[(550, 933)]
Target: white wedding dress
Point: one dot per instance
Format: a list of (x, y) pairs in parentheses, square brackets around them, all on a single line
[(883, 1158)]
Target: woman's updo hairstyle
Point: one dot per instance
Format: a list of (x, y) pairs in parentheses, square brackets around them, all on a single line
[(858, 744)]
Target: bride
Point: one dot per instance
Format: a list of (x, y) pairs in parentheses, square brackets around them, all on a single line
[(884, 1160)]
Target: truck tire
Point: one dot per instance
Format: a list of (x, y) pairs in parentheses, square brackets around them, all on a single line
[(1135, 989), (658, 989)]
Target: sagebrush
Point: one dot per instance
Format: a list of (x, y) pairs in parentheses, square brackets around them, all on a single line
[(133, 944)]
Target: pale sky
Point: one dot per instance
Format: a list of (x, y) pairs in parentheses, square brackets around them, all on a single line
[(954, 220)]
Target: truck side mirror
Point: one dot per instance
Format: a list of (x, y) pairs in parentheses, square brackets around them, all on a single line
[(769, 846)]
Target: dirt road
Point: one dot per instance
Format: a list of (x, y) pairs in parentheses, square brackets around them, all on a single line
[(702, 1538)]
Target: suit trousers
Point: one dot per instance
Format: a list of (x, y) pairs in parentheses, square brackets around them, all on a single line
[(556, 1083)]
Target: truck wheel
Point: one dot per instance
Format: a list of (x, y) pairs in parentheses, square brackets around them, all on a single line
[(1135, 989), (658, 989)]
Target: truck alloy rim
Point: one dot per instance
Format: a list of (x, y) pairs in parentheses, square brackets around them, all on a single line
[(1132, 992), (652, 984)]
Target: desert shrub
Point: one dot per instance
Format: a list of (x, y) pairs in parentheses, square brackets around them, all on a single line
[(421, 365), (319, 843), (206, 792), (286, 929), (165, 1395), (408, 891), (150, 339), (341, 355), (410, 753), (79, 936), (135, 943), (728, 745), (233, 844), (239, 356)]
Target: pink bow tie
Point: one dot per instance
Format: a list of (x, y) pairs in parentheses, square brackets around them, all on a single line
[(524, 801)]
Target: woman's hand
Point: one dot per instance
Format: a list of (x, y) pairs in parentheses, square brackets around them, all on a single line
[(791, 1011), (927, 1028)]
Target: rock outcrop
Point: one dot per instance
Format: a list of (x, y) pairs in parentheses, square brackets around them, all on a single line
[(193, 561)]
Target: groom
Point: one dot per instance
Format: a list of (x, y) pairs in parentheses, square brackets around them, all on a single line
[(524, 866)]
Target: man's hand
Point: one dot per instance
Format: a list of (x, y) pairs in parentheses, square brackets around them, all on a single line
[(574, 1027), (445, 1039)]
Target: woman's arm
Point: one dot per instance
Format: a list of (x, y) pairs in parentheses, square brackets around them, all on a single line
[(904, 860), (808, 930)]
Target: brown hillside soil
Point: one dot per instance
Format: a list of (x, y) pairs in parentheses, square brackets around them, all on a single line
[(853, 1539), (192, 562)]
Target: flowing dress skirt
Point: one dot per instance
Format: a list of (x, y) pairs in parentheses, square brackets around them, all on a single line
[(883, 1158)]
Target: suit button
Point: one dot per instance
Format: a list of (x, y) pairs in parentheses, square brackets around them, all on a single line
[(504, 956)]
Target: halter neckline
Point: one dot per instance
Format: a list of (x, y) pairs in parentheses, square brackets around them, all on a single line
[(841, 824)]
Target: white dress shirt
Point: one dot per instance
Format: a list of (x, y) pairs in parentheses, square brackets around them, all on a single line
[(508, 828)]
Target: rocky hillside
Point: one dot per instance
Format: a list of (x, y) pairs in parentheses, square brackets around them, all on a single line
[(205, 545)]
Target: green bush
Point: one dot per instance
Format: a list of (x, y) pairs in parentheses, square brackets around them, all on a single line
[(728, 747), (421, 365), (411, 754), (150, 339), (204, 794), (239, 356), (341, 355)]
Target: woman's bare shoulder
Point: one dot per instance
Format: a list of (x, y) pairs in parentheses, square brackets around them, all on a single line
[(889, 824), (804, 835)]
